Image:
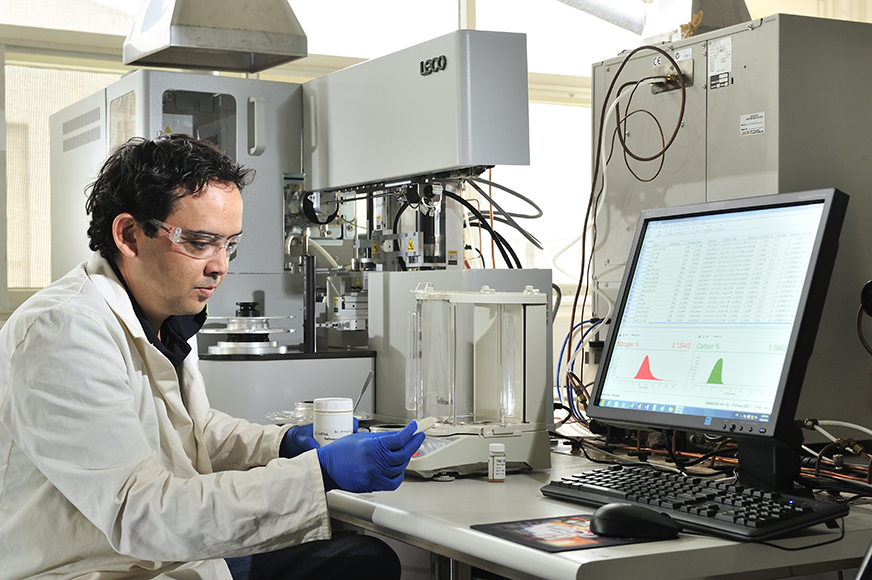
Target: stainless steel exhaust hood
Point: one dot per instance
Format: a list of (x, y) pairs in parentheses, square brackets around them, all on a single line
[(219, 35)]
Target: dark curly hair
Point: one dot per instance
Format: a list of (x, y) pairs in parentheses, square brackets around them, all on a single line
[(147, 177)]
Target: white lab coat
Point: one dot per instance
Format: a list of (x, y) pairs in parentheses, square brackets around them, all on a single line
[(113, 467)]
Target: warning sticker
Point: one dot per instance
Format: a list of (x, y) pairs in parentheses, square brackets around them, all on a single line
[(411, 246), (720, 62), (753, 124), (375, 249)]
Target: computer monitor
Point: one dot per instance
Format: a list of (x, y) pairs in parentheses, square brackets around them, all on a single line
[(715, 321)]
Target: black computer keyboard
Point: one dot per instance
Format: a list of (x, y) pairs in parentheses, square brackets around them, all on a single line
[(731, 511)]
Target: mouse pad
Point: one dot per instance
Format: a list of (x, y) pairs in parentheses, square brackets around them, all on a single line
[(554, 534)]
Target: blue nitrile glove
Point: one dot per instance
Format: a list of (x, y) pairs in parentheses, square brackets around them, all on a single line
[(364, 462), (299, 439)]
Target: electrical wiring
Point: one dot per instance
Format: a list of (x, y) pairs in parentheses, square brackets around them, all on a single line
[(467, 231), (503, 216), (506, 251), (526, 200), (841, 488), (662, 141), (494, 236), (613, 109), (593, 205), (569, 395), (491, 215), (502, 240), (717, 452), (584, 341), (605, 181), (480, 257), (556, 307), (559, 358), (621, 134), (532, 239), (835, 485), (580, 386), (622, 460), (396, 224), (808, 547), (598, 203), (565, 341), (830, 481), (848, 444), (502, 220)]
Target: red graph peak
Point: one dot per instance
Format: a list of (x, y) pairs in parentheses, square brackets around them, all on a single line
[(644, 372)]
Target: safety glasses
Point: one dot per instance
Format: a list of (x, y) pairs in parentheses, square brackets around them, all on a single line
[(198, 245)]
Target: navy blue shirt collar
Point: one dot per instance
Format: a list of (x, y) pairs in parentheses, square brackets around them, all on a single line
[(175, 332)]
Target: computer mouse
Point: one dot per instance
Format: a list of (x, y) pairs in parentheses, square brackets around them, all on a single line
[(624, 520)]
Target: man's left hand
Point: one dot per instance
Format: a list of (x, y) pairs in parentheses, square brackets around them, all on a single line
[(300, 439)]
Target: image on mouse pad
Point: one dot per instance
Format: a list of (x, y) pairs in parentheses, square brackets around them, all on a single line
[(554, 534)]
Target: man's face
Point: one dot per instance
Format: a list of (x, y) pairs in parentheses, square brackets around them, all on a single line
[(169, 282)]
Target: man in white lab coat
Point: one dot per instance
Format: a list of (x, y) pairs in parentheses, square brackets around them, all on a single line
[(112, 463)]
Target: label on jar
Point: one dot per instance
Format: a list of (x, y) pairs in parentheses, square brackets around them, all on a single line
[(496, 467)]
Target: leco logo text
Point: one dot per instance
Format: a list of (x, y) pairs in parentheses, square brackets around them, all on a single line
[(434, 64)]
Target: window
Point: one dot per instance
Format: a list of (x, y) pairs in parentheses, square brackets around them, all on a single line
[(32, 95)]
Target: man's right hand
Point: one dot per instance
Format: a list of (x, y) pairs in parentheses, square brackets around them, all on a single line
[(364, 462)]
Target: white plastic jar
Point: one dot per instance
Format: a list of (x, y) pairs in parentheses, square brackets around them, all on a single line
[(496, 462), (332, 418)]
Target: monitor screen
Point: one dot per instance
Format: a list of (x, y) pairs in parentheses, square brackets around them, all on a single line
[(717, 314)]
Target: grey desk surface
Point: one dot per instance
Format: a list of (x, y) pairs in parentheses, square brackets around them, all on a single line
[(437, 516)]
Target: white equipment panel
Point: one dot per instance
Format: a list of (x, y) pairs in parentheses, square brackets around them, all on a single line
[(457, 101)]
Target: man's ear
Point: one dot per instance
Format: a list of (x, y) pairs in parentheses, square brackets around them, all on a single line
[(124, 233)]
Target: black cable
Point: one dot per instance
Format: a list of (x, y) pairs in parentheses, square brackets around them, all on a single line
[(401, 262), (480, 255), (591, 459), (532, 239), (397, 223), (833, 485), (556, 306), (706, 456), (501, 240), (819, 544), (621, 137), (539, 212), (484, 223), (502, 220), (509, 248)]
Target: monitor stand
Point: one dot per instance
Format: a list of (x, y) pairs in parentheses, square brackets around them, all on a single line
[(770, 463)]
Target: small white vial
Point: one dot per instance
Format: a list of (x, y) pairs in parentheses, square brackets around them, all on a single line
[(496, 462), (332, 418)]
